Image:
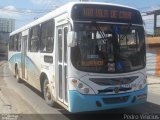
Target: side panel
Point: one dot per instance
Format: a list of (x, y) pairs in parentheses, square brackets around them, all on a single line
[(13, 58), (33, 68), (23, 57)]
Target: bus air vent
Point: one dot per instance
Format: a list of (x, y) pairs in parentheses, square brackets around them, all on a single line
[(121, 89), (113, 81)]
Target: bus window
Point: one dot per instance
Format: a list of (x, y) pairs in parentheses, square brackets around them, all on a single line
[(11, 43), (47, 36), (15, 41), (34, 39), (100, 47), (65, 43), (19, 42), (60, 44)]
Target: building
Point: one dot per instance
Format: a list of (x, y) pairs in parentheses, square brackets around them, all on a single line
[(156, 26), (153, 44), (6, 26)]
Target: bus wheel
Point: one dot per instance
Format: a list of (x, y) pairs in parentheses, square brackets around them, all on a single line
[(47, 93), (17, 75)]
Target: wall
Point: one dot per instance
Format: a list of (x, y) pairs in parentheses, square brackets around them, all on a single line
[(153, 56)]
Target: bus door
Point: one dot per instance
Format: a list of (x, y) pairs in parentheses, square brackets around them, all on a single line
[(62, 63), (23, 56)]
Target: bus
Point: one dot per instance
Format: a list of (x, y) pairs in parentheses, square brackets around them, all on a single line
[(85, 56)]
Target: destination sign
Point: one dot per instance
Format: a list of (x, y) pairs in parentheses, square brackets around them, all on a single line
[(92, 63), (103, 13), (106, 13)]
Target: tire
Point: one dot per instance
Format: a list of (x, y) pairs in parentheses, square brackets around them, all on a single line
[(47, 93), (17, 75)]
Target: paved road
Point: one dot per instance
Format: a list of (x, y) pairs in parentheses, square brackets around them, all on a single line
[(27, 102)]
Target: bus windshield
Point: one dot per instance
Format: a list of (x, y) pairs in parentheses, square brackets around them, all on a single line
[(108, 48)]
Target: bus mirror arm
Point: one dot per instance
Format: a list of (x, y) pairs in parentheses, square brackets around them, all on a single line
[(71, 39)]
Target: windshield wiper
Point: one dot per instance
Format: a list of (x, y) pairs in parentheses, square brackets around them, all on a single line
[(126, 32), (100, 31)]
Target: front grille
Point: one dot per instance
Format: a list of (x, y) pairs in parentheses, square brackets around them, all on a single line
[(113, 90), (114, 81), (115, 100)]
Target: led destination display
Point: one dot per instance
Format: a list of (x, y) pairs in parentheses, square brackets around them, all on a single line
[(106, 13)]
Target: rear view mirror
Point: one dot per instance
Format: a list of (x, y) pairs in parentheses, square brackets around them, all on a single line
[(71, 39)]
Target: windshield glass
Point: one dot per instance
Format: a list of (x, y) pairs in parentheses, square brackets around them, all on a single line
[(106, 48)]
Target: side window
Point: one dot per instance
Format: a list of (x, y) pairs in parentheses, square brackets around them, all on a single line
[(65, 43), (34, 41), (47, 36), (15, 43), (11, 41), (60, 44), (19, 41)]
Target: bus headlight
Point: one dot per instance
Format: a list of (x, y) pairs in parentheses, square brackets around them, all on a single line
[(141, 84), (81, 87)]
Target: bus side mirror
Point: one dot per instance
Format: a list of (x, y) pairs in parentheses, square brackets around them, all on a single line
[(71, 39)]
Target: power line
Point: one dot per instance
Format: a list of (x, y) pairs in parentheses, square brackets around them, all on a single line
[(23, 10), (47, 8)]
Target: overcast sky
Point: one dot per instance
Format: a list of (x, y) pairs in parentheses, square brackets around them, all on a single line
[(25, 11)]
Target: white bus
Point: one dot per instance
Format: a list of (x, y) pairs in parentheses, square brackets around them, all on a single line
[(86, 56)]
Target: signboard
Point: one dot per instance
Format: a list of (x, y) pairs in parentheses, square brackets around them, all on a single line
[(108, 13), (92, 63), (103, 13)]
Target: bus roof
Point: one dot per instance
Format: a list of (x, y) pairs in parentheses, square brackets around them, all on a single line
[(63, 9)]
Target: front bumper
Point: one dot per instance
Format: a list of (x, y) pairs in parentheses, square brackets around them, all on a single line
[(80, 103)]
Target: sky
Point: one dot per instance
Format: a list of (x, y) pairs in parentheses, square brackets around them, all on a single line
[(25, 11)]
